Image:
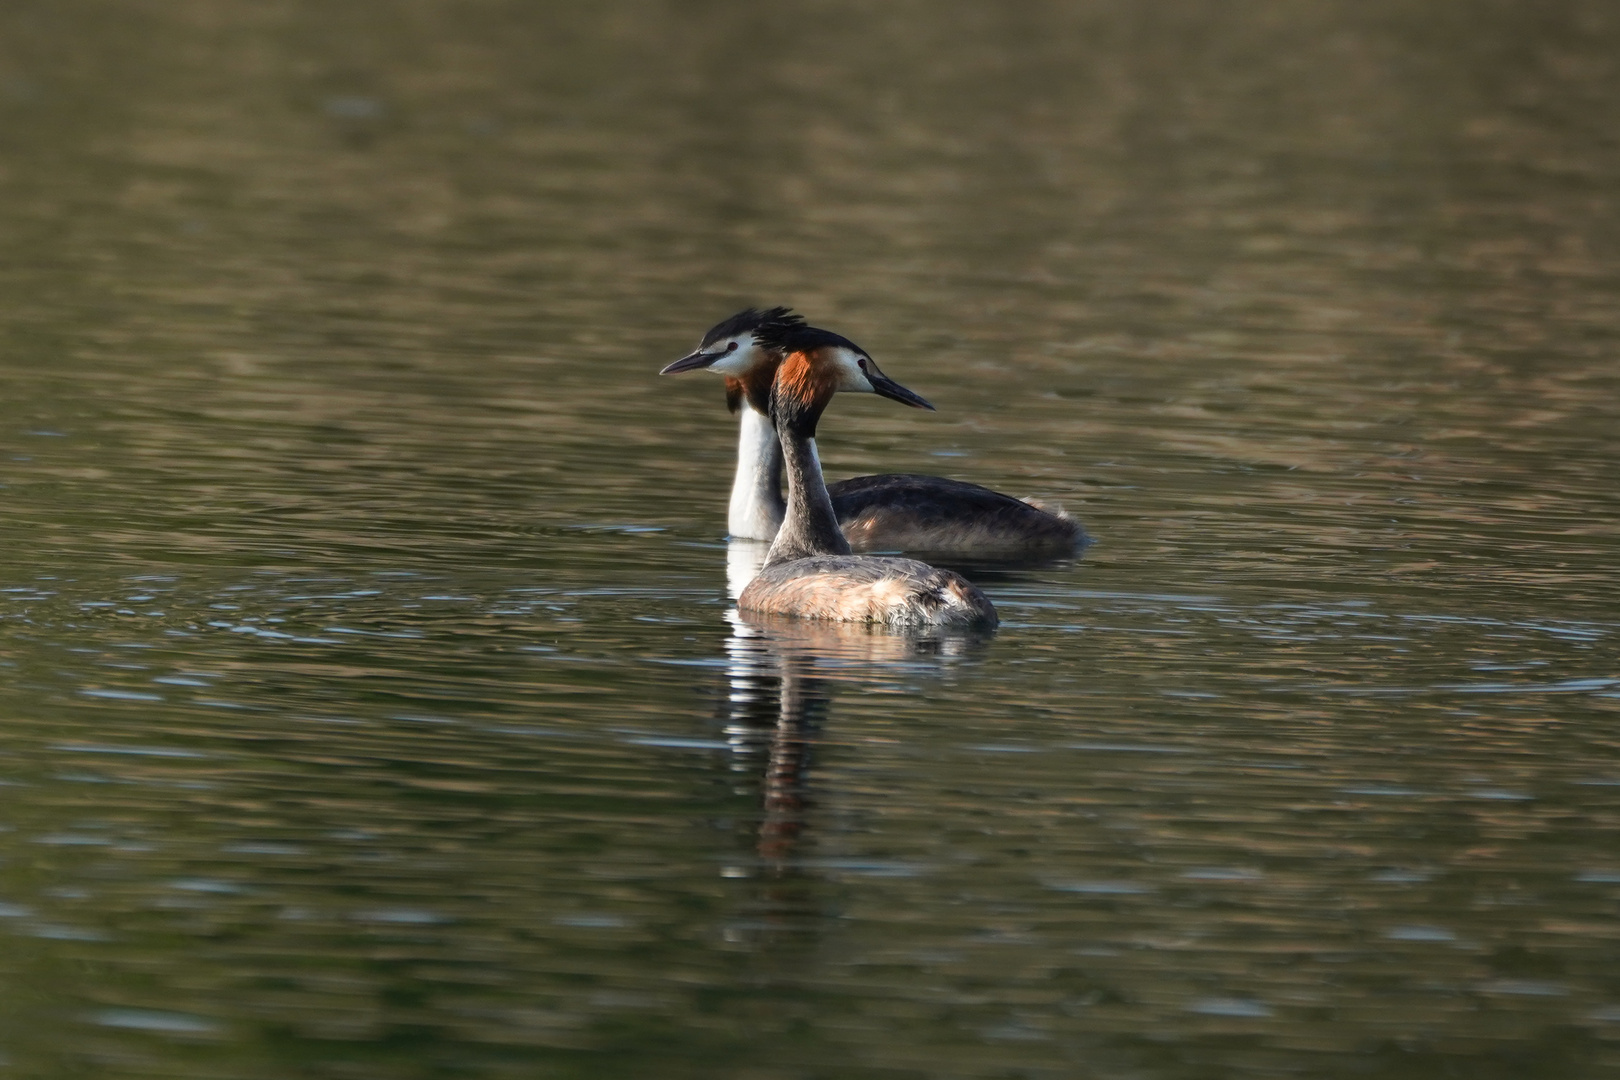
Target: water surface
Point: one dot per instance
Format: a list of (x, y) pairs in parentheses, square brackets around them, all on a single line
[(374, 702)]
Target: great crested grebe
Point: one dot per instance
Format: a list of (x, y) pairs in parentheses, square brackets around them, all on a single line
[(810, 571), (892, 512)]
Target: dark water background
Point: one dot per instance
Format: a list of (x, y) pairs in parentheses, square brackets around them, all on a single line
[(371, 706)]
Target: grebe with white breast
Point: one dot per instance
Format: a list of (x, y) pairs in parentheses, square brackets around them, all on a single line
[(891, 512), (810, 571)]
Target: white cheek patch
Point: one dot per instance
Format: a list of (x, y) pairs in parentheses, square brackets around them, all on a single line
[(738, 360), (851, 378)]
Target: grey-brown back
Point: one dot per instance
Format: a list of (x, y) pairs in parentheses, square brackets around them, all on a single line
[(866, 588)]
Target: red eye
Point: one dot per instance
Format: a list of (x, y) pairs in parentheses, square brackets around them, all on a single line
[(732, 347)]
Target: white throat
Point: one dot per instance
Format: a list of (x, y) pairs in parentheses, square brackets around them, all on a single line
[(757, 507)]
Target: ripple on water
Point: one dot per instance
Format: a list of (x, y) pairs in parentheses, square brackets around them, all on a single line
[(372, 695)]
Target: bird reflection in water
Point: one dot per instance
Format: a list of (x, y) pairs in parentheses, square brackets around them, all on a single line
[(782, 673), (776, 705)]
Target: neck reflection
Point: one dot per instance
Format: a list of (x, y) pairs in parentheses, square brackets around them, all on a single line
[(782, 674)]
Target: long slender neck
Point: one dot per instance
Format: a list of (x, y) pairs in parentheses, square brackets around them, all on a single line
[(757, 508), (811, 527)]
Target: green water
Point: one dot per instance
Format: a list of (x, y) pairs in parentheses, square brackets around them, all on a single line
[(373, 705)]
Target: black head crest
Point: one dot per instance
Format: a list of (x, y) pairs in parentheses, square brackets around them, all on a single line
[(796, 336), (750, 320)]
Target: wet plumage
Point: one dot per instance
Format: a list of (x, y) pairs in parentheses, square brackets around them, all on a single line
[(905, 512), (870, 589)]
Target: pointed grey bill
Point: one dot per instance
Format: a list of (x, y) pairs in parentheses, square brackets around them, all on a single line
[(882, 384), (699, 359)]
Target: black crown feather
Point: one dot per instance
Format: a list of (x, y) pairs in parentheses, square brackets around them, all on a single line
[(797, 336), (750, 319)]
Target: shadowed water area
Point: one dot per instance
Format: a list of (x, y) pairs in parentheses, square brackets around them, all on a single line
[(371, 699)]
